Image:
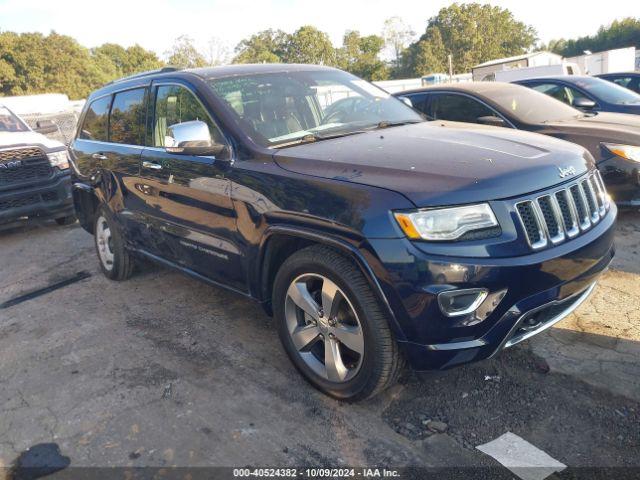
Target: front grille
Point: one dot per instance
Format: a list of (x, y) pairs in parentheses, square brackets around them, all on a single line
[(20, 153), (554, 217), (18, 202), (23, 165)]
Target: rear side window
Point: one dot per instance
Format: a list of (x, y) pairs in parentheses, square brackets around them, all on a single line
[(458, 108), (127, 120), (419, 101), (96, 120)]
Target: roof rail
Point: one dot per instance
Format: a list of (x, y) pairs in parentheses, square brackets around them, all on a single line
[(145, 74)]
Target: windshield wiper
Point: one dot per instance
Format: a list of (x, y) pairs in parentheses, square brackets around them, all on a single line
[(387, 123), (314, 137)]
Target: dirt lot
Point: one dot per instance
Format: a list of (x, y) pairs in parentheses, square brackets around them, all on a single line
[(162, 370)]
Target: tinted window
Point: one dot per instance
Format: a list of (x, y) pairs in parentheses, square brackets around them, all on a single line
[(127, 121), (419, 101), (555, 91), (96, 120), (457, 108), (176, 104)]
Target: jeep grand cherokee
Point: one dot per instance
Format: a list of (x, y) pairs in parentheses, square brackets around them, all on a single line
[(373, 236)]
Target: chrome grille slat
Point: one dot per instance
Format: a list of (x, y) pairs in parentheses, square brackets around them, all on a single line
[(592, 203), (554, 217), (569, 214)]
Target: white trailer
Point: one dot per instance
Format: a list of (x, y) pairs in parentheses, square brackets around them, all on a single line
[(609, 61), (540, 71)]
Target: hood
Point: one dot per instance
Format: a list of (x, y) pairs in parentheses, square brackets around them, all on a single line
[(441, 163), (23, 139), (591, 131)]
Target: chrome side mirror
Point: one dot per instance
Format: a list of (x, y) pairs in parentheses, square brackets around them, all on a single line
[(584, 103), (193, 138), (492, 120)]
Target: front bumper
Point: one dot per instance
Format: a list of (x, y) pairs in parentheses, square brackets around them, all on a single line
[(548, 284), (45, 200)]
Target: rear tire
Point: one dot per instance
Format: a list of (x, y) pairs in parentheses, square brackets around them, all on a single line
[(115, 260), (349, 352)]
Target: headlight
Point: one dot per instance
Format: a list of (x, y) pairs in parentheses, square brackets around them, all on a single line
[(446, 223), (625, 151), (59, 159)]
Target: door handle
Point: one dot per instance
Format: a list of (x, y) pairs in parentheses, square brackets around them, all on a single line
[(99, 156), (151, 165)]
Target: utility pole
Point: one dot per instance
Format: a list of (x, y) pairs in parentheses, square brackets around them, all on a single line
[(450, 68)]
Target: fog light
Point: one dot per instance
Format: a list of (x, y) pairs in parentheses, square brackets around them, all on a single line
[(454, 303)]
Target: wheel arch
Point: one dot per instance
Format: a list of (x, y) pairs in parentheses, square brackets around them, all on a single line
[(270, 258)]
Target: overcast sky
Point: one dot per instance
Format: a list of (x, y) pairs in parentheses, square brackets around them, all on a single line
[(154, 24)]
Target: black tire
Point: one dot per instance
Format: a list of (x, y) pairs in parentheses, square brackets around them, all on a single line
[(122, 264), (68, 220), (382, 361)]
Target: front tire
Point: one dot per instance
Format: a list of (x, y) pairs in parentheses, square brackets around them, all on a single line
[(115, 261), (332, 325)]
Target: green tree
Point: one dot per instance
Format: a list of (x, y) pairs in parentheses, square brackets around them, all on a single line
[(360, 56), (472, 33), (184, 54), (126, 61), (429, 55), (267, 46), (309, 45), (33, 63), (619, 34)]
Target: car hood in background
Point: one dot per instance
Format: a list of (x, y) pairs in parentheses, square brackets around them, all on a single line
[(441, 163), (591, 131), (28, 139)]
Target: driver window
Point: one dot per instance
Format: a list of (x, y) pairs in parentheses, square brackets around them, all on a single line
[(555, 91), (176, 104), (574, 95)]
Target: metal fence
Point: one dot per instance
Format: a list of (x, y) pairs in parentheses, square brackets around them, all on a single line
[(65, 121)]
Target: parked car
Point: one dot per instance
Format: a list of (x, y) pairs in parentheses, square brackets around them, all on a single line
[(34, 175), (587, 93), (373, 237), (630, 80), (612, 138)]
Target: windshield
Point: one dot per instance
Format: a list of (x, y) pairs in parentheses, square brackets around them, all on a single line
[(287, 106), (10, 123), (530, 106), (608, 92)]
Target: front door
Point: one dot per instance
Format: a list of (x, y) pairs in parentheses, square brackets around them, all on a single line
[(188, 205)]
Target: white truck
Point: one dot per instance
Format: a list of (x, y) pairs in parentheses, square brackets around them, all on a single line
[(510, 75), (35, 180)]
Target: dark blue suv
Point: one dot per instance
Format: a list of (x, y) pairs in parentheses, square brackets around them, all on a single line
[(373, 236)]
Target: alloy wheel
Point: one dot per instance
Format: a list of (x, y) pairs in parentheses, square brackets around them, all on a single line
[(104, 243), (324, 327)]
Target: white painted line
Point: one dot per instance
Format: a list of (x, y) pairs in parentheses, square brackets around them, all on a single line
[(525, 460)]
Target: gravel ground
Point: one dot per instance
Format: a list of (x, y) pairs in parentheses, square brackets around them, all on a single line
[(162, 370)]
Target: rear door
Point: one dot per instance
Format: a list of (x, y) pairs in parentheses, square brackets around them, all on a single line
[(187, 201), (108, 148)]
